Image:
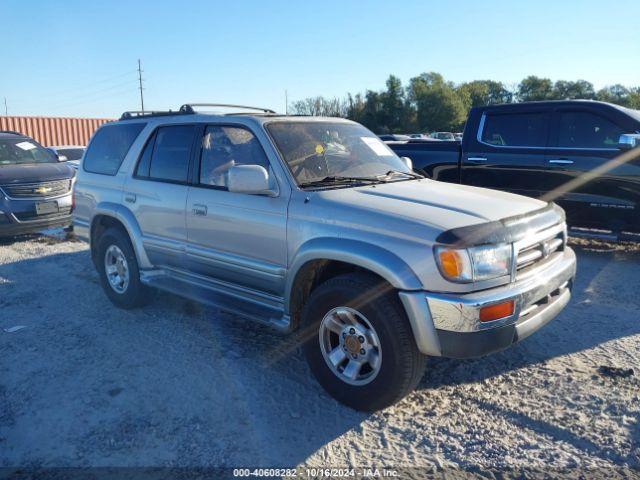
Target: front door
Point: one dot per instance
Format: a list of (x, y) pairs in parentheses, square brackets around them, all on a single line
[(235, 237), (508, 152)]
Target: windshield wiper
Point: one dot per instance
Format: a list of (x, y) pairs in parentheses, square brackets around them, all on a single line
[(340, 180), (398, 172)]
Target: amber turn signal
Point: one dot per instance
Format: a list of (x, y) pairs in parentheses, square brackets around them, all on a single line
[(451, 263), (499, 310)]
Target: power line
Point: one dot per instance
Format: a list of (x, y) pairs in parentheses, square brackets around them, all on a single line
[(92, 95), (91, 85), (88, 100)]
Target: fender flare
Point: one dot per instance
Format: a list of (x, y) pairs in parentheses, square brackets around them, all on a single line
[(371, 257), (128, 220)]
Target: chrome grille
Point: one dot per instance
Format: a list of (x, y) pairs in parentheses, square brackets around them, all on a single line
[(37, 190), (539, 248)]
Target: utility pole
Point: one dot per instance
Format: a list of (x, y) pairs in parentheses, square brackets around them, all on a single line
[(286, 103), (140, 83), (6, 110)]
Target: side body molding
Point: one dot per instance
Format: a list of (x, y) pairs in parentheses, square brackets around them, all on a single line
[(371, 257), (126, 217)]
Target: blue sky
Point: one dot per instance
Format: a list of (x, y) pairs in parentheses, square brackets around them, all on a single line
[(78, 58)]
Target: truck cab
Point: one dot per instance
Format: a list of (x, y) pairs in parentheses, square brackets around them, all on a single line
[(562, 151)]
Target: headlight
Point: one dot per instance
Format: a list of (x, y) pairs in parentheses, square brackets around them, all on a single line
[(467, 265)]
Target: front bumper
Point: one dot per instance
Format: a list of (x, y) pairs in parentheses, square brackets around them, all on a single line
[(448, 324), (18, 217)]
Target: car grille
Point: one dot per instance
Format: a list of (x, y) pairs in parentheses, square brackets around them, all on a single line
[(37, 190), (539, 248), (30, 216)]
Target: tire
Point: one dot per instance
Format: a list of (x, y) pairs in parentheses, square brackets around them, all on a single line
[(401, 365), (133, 293)]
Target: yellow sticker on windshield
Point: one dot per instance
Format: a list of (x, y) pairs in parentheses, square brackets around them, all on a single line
[(319, 149)]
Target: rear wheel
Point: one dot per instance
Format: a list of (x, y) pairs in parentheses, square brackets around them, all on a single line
[(118, 269), (360, 346)]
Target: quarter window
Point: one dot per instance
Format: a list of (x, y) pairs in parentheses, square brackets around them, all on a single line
[(587, 130), (224, 147), (515, 130), (166, 155), (109, 146)]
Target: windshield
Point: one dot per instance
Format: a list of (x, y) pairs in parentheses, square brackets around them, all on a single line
[(317, 150), (71, 153), (21, 151)]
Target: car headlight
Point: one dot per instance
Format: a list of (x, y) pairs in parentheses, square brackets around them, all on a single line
[(465, 265)]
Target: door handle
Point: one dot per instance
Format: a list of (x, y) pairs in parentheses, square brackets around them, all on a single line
[(199, 209), (130, 197), (561, 161), (476, 159)]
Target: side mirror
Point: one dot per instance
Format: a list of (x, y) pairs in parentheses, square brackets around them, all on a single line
[(250, 179), (628, 141), (407, 161), (62, 158)]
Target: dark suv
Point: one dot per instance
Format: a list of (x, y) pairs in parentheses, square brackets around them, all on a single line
[(35, 188)]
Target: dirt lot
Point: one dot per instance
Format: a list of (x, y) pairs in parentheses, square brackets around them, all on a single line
[(175, 384)]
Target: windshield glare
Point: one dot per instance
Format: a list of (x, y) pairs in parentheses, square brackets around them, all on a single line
[(21, 151), (315, 150)]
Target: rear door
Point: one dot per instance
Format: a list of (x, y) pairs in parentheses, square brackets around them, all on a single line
[(583, 141), (508, 151), (157, 193)]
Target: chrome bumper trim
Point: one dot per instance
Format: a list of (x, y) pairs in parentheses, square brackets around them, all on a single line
[(460, 313)]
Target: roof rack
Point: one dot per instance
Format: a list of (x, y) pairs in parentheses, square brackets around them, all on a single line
[(12, 132), (149, 113), (188, 107)]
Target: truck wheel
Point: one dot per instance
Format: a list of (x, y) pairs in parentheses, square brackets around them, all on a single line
[(118, 269), (360, 346)]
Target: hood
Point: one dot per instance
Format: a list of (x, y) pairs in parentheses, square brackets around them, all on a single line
[(439, 205), (34, 172)]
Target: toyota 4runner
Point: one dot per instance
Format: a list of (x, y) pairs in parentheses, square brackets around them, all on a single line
[(315, 225)]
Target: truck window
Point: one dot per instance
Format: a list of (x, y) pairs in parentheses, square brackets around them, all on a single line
[(109, 146), (169, 158), (515, 129), (587, 130), (224, 147)]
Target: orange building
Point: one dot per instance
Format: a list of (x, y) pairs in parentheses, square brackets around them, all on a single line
[(54, 130)]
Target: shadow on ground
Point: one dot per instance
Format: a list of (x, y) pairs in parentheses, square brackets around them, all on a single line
[(178, 384)]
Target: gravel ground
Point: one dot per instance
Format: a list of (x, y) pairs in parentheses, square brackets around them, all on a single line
[(177, 384)]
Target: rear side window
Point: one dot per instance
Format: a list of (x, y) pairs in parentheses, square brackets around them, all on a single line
[(109, 146), (515, 130), (587, 130), (166, 155)]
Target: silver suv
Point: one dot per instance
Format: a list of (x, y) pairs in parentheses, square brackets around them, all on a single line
[(314, 225)]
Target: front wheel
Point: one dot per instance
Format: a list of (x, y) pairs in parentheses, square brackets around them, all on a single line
[(361, 347)]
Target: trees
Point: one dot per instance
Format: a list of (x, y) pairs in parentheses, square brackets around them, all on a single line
[(535, 88), (430, 103), (485, 92), (615, 94), (394, 115), (567, 90), (437, 104), (320, 107)]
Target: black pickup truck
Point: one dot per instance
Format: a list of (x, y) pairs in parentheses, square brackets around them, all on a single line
[(535, 148)]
